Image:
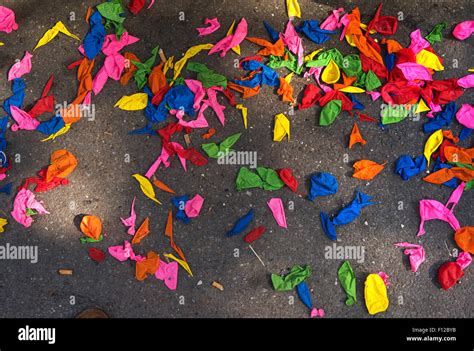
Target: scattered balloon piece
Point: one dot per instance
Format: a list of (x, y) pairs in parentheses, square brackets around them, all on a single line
[(347, 215), (375, 294), (51, 33), (366, 169), (348, 282), (289, 281), (416, 254), (91, 226), (276, 206)]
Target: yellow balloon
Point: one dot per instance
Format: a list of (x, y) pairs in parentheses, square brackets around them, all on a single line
[(375, 294), (133, 102), (282, 127), (331, 73), (433, 143), (422, 107), (3, 222), (351, 89), (236, 48), (293, 8), (429, 60)]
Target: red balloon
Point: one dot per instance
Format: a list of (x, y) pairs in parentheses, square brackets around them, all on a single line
[(448, 274), (96, 255), (286, 175), (254, 234)]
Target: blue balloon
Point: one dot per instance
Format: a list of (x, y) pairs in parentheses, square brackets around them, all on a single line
[(148, 129), (179, 202), (3, 141), (351, 212), (18, 90), (442, 119), (390, 61), (453, 182), (179, 97), (304, 294), (313, 32), (51, 126), (345, 216), (94, 39), (322, 184), (272, 33), (3, 126), (356, 104), (7, 188), (241, 224), (465, 133), (328, 226), (406, 167), (267, 76)]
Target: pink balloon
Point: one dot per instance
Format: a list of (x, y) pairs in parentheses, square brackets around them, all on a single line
[(463, 30), (433, 209), (213, 25)]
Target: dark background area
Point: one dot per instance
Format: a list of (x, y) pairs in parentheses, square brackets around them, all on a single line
[(102, 184)]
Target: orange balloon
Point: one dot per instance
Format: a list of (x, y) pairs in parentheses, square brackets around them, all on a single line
[(62, 164), (91, 226), (356, 137), (464, 237), (209, 133), (141, 232), (285, 90), (72, 113), (157, 79), (162, 186), (449, 135), (147, 266), (246, 92), (347, 82), (169, 234), (277, 49), (353, 30), (445, 174), (392, 45), (457, 154), (366, 169), (130, 69)]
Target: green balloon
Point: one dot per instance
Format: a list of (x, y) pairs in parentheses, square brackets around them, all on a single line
[(114, 14), (265, 178), (436, 34), (270, 178), (247, 180), (214, 151), (291, 280), (279, 62), (144, 69), (348, 281), (207, 76), (351, 65), (393, 114), (372, 82), (326, 56), (329, 112)]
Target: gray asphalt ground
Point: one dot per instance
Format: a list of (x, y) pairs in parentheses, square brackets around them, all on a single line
[(102, 183)]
